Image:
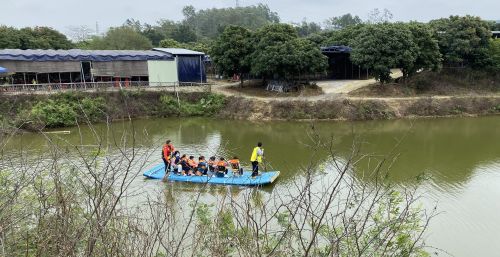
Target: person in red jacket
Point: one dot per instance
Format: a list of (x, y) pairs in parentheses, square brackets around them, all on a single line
[(166, 153)]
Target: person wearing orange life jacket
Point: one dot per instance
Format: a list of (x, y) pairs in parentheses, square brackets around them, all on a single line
[(192, 163), (166, 154), (256, 158), (235, 166), (186, 168), (221, 168)]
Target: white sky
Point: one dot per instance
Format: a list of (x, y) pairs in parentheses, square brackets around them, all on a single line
[(61, 14)]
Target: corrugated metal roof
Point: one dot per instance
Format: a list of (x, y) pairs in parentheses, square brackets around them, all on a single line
[(178, 51), (82, 55)]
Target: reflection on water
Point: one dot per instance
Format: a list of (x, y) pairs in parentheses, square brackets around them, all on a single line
[(460, 155)]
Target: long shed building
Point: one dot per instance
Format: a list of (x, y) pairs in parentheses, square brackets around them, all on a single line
[(153, 68)]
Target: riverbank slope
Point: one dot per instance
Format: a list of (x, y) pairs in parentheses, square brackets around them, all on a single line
[(35, 112)]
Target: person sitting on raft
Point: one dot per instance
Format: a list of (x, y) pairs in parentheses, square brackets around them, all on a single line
[(221, 168), (192, 164), (212, 166), (184, 163), (175, 162), (202, 166), (235, 166)]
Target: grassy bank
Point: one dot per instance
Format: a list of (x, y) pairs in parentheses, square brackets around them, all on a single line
[(34, 112)]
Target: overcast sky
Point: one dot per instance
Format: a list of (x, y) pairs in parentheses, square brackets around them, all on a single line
[(61, 14)]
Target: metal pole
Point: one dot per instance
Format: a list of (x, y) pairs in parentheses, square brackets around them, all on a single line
[(82, 75), (201, 72)]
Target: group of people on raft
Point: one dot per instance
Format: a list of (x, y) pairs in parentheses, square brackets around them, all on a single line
[(188, 166)]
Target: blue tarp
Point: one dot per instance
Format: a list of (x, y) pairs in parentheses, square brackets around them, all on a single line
[(3, 70), (82, 55), (191, 69)]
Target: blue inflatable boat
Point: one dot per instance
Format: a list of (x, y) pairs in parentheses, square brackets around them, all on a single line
[(158, 172)]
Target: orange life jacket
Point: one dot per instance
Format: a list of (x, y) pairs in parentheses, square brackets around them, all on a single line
[(235, 163), (192, 163), (168, 149), (221, 164)]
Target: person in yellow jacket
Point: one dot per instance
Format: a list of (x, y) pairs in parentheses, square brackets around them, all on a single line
[(256, 158)]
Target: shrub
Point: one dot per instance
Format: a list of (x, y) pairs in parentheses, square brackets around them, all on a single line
[(208, 105), (54, 114), (67, 110)]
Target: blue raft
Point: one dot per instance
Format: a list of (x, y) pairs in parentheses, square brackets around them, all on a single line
[(158, 172)]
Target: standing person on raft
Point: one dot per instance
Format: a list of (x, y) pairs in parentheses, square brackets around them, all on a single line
[(166, 154), (256, 158)]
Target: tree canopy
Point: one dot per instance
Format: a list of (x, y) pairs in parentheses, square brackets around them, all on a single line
[(120, 38), (33, 38), (380, 47), (231, 51), (428, 55), (211, 22), (494, 52), (463, 40), (305, 28), (279, 52), (344, 21)]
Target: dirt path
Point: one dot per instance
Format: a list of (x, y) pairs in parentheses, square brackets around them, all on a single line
[(332, 89)]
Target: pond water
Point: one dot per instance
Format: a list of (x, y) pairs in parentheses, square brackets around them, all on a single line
[(459, 156)]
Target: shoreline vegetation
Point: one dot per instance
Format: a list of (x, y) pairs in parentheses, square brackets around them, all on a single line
[(428, 95)]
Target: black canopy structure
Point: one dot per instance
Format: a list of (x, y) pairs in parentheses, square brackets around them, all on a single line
[(340, 65)]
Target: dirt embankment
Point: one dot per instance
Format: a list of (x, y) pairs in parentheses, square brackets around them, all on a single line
[(360, 108), (19, 110)]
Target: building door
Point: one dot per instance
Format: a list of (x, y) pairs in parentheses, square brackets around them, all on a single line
[(86, 72)]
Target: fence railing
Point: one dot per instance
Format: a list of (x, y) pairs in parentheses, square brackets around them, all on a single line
[(101, 86)]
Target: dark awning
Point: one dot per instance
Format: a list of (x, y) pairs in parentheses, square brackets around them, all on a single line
[(336, 49)]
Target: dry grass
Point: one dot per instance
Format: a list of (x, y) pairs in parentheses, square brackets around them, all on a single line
[(448, 82)]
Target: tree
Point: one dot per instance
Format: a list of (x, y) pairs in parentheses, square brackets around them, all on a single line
[(381, 47), (133, 24), (318, 39), (344, 36), (184, 33), (231, 51), (34, 38), (495, 25), (463, 40), (305, 28), (120, 38), (211, 22), (494, 53), (9, 38), (376, 16), (279, 52), (153, 33), (341, 22), (170, 43), (428, 55)]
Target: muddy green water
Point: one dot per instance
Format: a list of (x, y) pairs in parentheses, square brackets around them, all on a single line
[(460, 156)]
